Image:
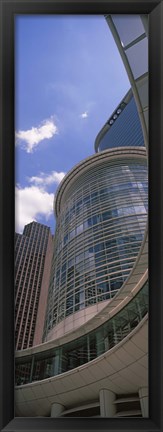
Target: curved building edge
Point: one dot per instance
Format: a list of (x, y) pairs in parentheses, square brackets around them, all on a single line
[(83, 166), (127, 98), (120, 375), (66, 199)]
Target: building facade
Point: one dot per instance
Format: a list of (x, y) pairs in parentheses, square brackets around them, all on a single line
[(33, 251), (97, 365), (101, 211), (123, 128)]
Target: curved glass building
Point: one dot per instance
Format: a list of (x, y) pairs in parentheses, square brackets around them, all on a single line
[(94, 359), (101, 210)]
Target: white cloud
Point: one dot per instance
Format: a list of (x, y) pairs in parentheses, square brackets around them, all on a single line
[(84, 114), (34, 200), (30, 202), (35, 135), (45, 180)]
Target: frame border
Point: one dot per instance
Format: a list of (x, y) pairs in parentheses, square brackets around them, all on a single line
[(8, 9)]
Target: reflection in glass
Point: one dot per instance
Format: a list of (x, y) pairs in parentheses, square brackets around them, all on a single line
[(82, 350)]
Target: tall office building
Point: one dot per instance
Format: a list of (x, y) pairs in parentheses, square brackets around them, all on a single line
[(94, 361), (123, 128), (33, 251)]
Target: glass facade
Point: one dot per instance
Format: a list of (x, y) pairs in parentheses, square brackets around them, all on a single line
[(99, 232), (129, 27), (139, 50), (125, 129), (132, 32), (55, 361)]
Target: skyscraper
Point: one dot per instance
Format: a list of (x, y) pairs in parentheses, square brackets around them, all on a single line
[(101, 345), (32, 258), (123, 128)]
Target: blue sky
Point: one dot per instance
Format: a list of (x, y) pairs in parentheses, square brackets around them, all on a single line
[(69, 77)]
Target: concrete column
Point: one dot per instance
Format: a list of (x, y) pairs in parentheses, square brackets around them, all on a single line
[(107, 407), (143, 395), (56, 409)]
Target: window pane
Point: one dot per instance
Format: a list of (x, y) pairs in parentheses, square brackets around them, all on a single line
[(129, 27), (138, 58)]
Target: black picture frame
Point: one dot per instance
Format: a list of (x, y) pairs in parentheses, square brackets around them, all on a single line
[(8, 9)]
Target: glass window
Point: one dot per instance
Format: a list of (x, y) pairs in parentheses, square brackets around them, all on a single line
[(104, 191), (140, 209), (85, 224), (114, 212), (79, 229), (96, 219), (129, 27), (79, 258), (70, 263), (75, 356), (65, 239), (115, 284), (22, 373), (86, 200), (79, 206), (72, 234), (102, 287), (110, 243), (63, 278), (133, 314), (138, 58), (97, 248), (89, 222), (43, 368), (70, 275), (92, 347), (69, 311), (94, 197), (106, 215)]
